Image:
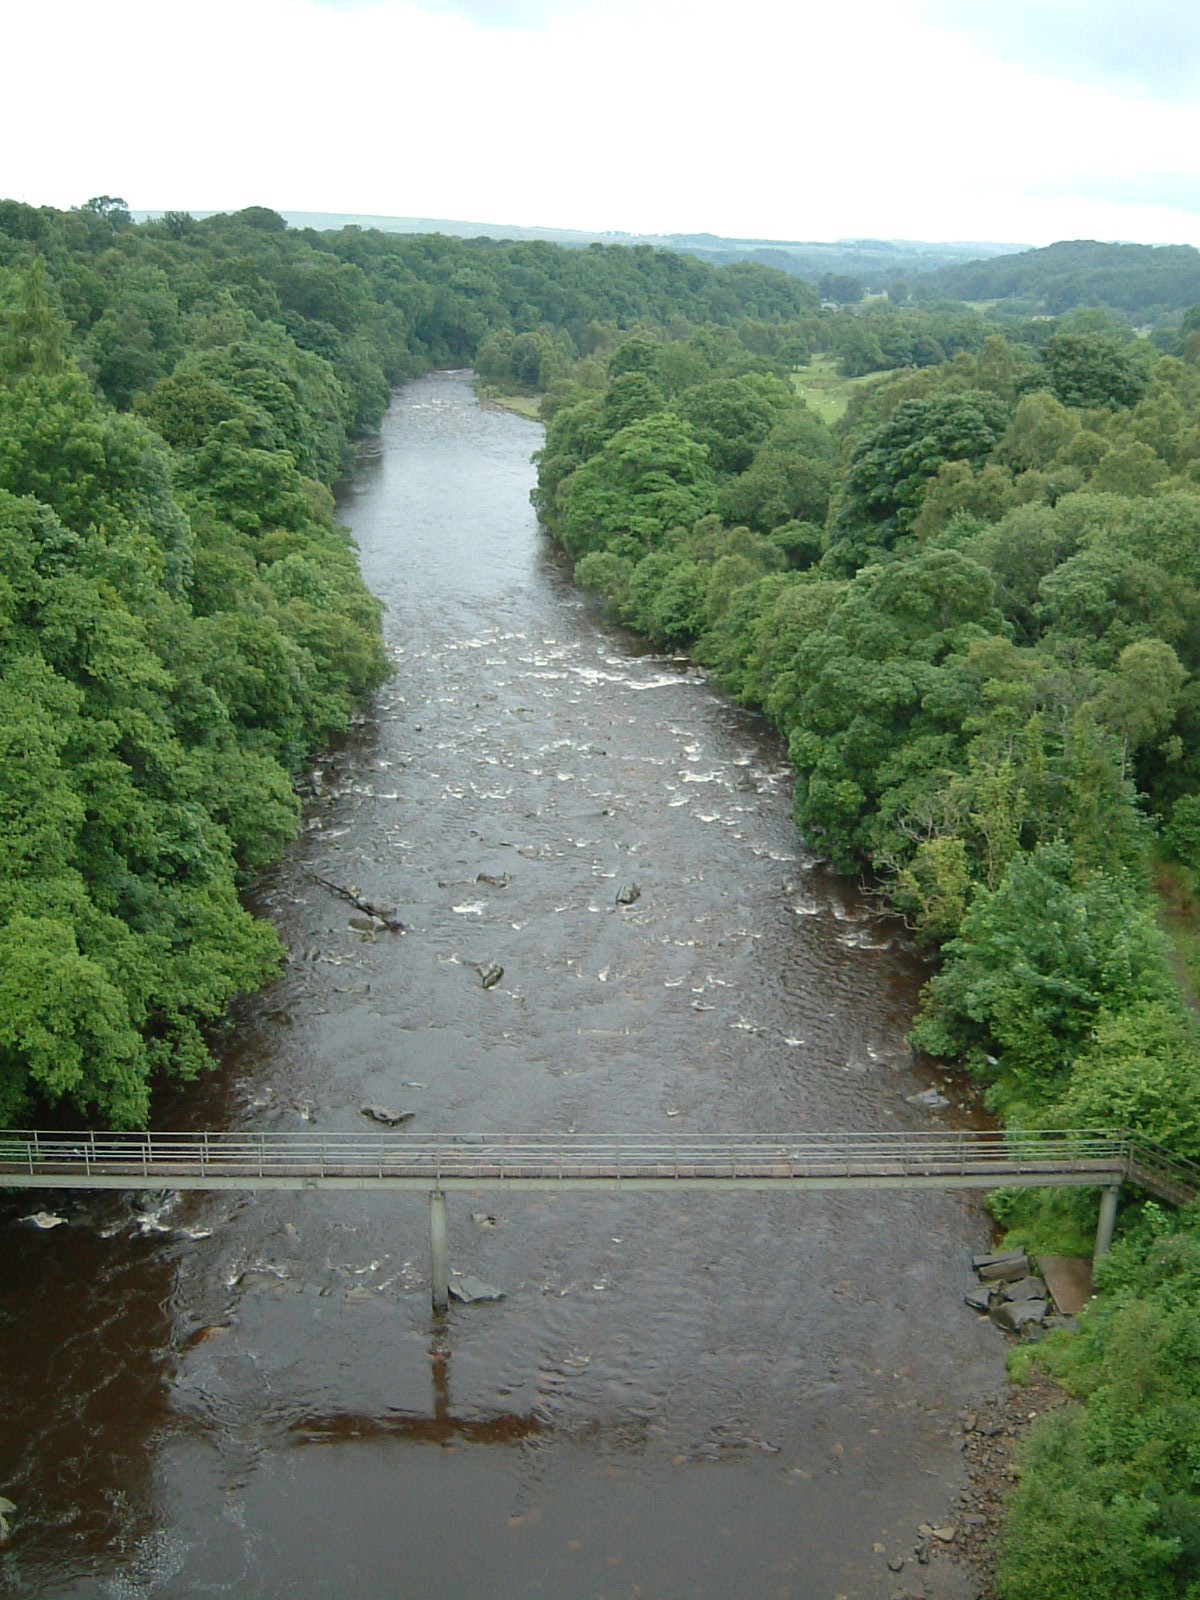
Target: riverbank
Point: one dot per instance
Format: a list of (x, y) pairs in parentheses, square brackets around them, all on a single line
[(521, 405), (990, 1438)]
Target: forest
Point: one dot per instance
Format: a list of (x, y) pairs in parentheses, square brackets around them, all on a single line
[(971, 607), (1143, 284)]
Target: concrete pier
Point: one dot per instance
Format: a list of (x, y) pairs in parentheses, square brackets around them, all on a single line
[(439, 1276), (1108, 1218)]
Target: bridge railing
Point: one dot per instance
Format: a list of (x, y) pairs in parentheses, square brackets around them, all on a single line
[(380, 1154), (1172, 1177)]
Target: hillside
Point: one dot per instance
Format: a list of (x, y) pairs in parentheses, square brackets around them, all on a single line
[(876, 263), (1145, 283)]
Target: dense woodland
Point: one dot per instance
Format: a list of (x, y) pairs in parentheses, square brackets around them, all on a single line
[(1143, 283), (972, 609)]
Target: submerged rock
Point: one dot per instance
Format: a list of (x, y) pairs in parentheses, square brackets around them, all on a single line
[(490, 974), (385, 1115), (628, 893)]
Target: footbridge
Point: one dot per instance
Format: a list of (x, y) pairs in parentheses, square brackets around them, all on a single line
[(438, 1164)]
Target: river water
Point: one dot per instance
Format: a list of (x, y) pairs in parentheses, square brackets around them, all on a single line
[(713, 1395)]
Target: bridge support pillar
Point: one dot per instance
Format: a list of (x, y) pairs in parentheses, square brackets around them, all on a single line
[(1108, 1218), (439, 1276)]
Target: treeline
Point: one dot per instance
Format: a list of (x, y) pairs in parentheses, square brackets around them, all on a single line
[(974, 613)]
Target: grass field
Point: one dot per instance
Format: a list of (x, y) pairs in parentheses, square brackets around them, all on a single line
[(823, 389)]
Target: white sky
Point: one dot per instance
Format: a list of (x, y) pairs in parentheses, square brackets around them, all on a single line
[(1012, 120)]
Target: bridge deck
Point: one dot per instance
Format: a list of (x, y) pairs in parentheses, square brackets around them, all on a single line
[(391, 1160)]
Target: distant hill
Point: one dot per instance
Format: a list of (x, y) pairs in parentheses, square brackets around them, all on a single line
[(876, 263), (1146, 283)]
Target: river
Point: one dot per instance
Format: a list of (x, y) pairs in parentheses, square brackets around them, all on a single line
[(715, 1395)]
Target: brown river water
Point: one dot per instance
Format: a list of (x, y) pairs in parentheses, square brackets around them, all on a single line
[(709, 1395)]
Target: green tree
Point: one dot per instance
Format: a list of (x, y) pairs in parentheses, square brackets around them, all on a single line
[(649, 477)]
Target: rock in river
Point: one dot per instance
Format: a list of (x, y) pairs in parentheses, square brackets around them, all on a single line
[(930, 1099), (45, 1220), (628, 893), (469, 1289), (1004, 1268), (384, 1114), (1028, 1288), (1013, 1315)]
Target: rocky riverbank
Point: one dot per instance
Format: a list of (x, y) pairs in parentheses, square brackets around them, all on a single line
[(968, 1536)]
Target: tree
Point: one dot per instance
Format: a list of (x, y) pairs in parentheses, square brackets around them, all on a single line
[(114, 211), (891, 466), (1138, 701), (1092, 370), (884, 699), (789, 478), (1036, 963), (649, 477)]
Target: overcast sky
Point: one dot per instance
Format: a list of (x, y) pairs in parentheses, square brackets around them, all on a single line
[(1009, 120)]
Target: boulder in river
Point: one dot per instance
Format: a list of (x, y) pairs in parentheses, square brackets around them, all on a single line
[(1004, 1269), (490, 974), (930, 1099), (628, 893), (385, 1115), (469, 1289), (1027, 1288), (988, 1258), (45, 1220), (1014, 1315), (6, 1510)]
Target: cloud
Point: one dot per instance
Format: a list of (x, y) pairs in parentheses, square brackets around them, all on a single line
[(1151, 50), (640, 115), (494, 16), (1163, 191)]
